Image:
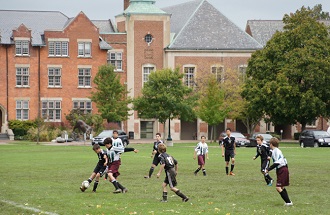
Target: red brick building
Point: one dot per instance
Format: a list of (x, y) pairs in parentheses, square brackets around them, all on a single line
[(48, 60)]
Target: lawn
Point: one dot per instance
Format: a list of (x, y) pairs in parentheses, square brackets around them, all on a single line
[(43, 179)]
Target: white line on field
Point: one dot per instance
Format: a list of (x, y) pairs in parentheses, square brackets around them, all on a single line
[(28, 208)]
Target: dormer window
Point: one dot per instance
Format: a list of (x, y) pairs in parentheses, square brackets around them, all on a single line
[(22, 47)]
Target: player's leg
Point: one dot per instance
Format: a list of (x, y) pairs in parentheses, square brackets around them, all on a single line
[(227, 158), (164, 192), (282, 181), (232, 166), (96, 182), (152, 168), (173, 183), (264, 166)]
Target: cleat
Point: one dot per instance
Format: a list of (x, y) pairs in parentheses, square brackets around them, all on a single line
[(82, 189), (204, 173), (124, 190), (94, 191), (231, 173), (195, 173), (288, 204), (163, 200), (146, 176), (270, 183), (117, 191), (185, 200)]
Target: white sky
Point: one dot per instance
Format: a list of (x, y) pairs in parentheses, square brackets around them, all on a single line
[(238, 11)]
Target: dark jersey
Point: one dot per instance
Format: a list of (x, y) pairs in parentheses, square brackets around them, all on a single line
[(101, 157), (229, 142), (155, 147), (263, 151), (168, 160)]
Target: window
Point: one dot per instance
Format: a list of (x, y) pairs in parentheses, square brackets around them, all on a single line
[(242, 72), (268, 126), (22, 76), (84, 77), (147, 131), (84, 49), (22, 47), (146, 72), (51, 110), (148, 38), (58, 48), (218, 72), (84, 106), (22, 109), (115, 58), (189, 76), (312, 124), (54, 77)]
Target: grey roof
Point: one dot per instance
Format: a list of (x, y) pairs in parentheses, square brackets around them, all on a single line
[(263, 30), (207, 29), (36, 21), (104, 45), (104, 26)]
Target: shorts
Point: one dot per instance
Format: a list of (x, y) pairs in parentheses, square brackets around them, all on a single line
[(156, 160), (113, 168), (264, 165), (229, 154), (99, 169), (201, 159), (282, 177), (170, 178)]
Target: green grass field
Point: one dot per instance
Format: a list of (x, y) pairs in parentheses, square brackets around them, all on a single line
[(43, 179)]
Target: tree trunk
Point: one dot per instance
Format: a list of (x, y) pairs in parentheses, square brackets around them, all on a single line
[(303, 126)]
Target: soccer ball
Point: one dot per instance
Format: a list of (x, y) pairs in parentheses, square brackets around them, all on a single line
[(84, 186)]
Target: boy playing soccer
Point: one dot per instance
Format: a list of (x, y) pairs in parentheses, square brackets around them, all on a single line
[(100, 167), (201, 150), (282, 171), (154, 155), (265, 153), (228, 148), (170, 165)]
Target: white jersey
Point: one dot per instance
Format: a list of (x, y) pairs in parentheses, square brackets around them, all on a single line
[(201, 148), (279, 158), (115, 151)]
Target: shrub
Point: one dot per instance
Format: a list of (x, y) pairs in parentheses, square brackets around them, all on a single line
[(20, 128)]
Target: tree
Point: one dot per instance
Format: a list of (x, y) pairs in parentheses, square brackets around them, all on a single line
[(318, 13), (164, 96), (110, 95), (211, 108), (289, 79)]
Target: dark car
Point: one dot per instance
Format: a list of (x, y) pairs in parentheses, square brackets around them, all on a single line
[(239, 138), (314, 138), (108, 133), (253, 141)]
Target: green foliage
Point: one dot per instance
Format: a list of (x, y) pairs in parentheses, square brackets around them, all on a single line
[(289, 79), (46, 133), (93, 120), (164, 97), (20, 128), (110, 95), (318, 13)]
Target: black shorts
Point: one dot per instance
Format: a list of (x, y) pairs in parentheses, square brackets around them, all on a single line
[(170, 178), (156, 160), (264, 165), (229, 154), (99, 169)]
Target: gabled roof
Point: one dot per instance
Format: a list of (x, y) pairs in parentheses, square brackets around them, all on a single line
[(37, 21), (263, 30), (104, 26), (207, 29)]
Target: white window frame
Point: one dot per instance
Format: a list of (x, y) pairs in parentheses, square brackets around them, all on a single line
[(51, 110), (189, 75), (22, 73), (54, 76), (218, 71), (146, 70), (58, 48), (242, 71), (22, 109), (115, 58), (84, 50), (84, 77), (84, 105), (22, 47)]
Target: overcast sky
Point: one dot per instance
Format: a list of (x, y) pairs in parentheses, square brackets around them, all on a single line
[(238, 11)]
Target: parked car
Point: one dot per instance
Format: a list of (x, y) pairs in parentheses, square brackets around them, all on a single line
[(239, 138), (314, 138), (253, 141), (108, 133)]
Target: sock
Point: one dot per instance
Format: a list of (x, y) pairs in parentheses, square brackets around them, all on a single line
[(266, 179), (106, 176), (115, 184), (197, 170), (164, 196), (120, 186), (227, 170), (95, 185), (151, 170), (232, 167), (285, 196), (180, 194), (204, 172), (90, 180)]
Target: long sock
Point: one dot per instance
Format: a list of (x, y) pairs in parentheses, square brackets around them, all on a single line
[(268, 176), (266, 179), (90, 180), (232, 167), (180, 194), (197, 170), (227, 168), (285, 196), (164, 196), (151, 170), (120, 186), (286, 192), (115, 184), (96, 183), (204, 172)]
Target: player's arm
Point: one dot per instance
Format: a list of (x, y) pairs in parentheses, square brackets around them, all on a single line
[(105, 157), (161, 168), (257, 155), (131, 150), (195, 153), (235, 147), (272, 166), (223, 149)]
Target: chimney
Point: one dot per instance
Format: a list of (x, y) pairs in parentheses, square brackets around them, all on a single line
[(126, 4)]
